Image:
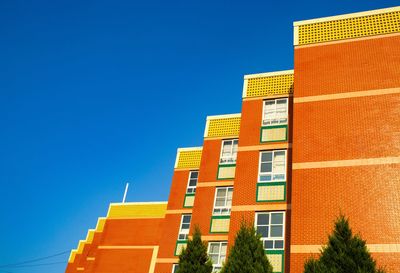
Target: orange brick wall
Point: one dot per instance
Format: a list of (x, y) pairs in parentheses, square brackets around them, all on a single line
[(343, 129), (178, 189), (117, 261)]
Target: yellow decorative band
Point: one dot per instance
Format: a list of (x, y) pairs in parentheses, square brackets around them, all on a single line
[(90, 258), (167, 260), (178, 211), (80, 269), (348, 95), (374, 248), (209, 238), (346, 163), (215, 184), (264, 147), (269, 207), (269, 85), (222, 126), (126, 247), (188, 158)]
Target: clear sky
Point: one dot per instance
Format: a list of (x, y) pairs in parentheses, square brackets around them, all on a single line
[(97, 93)]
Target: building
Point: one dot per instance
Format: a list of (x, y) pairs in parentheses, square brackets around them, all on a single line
[(309, 143)]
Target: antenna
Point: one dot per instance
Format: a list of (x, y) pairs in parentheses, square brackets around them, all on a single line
[(126, 191)]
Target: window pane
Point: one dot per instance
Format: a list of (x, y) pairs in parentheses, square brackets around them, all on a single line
[(185, 226), (220, 202), (214, 258), (262, 219), (266, 167), (264, 178), (276, 231), (214, 248), (192, 183), (263, 231), (277, 218), (194, 174), (266, 157), (221, 193), (279, 244), (186, 218), (268, 244)]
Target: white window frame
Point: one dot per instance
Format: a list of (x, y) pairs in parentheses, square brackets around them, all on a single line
[(174, 266), (272, 169), (226, 209), (221, 256), (184, 232), (275, 117), (269, 238), (233, 156), (192, 189)]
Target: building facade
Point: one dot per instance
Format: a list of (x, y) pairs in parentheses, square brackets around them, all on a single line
[(309, 144)]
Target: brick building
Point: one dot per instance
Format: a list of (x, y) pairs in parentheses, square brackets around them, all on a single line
[(309, 143)]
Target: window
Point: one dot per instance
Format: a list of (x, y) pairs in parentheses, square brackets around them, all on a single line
[(275, 112), (191, 187), (223, 201), (270, 225), (229, 151), (175, 268), (184, 228), (272, 166), (217, 254)]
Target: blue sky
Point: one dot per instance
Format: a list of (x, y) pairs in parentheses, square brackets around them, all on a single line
[(97, 93)]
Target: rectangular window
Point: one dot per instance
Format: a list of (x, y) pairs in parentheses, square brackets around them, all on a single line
[(185, 226), (271, 227), (229, 151), (192, 183), (175, 268), (217, 254), (275, 112), (223, 201), (272, 166)]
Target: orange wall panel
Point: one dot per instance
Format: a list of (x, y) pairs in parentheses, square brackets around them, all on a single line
[(169, 236), (250, 124), (347, 129), (163, 268), (178, 190), (202, 210), (347, 66), (132, 231), (127, 261), (210, 160)]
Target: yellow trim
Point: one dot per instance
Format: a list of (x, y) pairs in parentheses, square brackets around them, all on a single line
[(90, 258), (167, 260), (81, 246), (209, 238), (72, 255), (137, 210), (271, 84), (264, 147), (346, 163), (222, 126), (268, 97), (90, 236), (215, 184), (153, 259), (268, 74), (346, 16), (80, 269), (373, 248), (178, 211), (348, 95), (382, 36), (188, 158), (186, 169), (100, 224), (268, 207), (125, 247), (348, 26)]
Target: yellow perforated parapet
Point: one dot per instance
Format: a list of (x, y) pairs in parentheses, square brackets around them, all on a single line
[(137, 210), (365, 24), (188, 158), (223, 126), (268, 84)]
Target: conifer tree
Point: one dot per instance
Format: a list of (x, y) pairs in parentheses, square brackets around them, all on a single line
[(193, 257), (344, 253), (247, 255)]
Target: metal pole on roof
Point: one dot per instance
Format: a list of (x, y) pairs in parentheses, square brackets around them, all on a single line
[(126, 191)]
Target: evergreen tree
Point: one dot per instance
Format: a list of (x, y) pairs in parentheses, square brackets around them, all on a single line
[(247, 255), (194, 258), (344, 253)]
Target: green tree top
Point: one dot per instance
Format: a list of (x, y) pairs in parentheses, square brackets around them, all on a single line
[(193, 257), (344, 253), (247, 255)]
